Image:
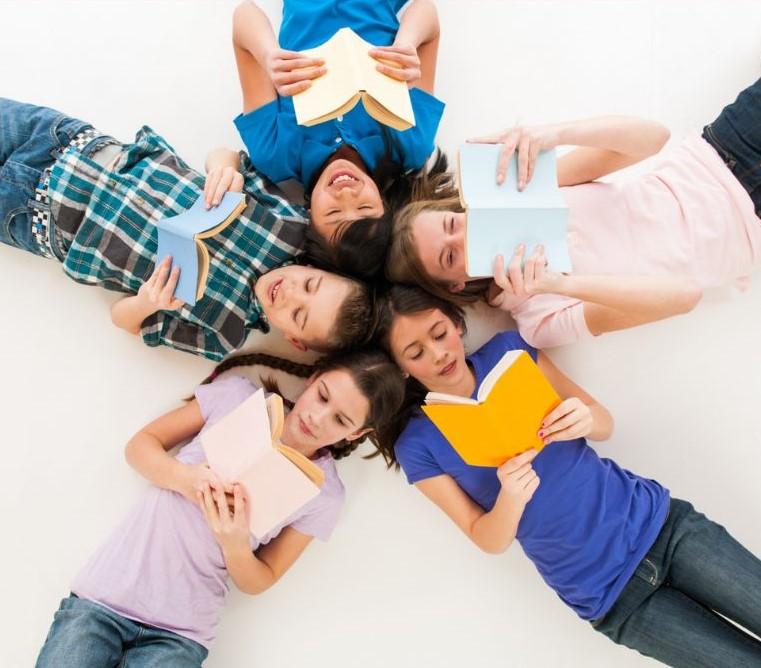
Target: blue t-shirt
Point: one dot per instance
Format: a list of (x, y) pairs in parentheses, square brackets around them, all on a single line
[(589, 523), (282, 149)]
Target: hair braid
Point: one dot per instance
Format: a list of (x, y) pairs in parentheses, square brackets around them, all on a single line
[(273, 362)]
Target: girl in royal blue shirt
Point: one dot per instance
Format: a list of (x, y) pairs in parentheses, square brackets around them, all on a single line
[(646, 570), (352, 168)]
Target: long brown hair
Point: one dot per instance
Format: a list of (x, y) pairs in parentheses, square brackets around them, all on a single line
[(403, 264), (376, 376), (407, 300)]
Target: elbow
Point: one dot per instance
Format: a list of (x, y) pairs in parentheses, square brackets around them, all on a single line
[(658, 135), (689, 296)]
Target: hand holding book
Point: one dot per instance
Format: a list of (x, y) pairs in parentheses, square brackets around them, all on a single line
[(398, 62), (230, 526), (528, 142)]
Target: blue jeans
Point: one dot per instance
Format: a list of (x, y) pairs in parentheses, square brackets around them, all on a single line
[(668, 610), (87, 635), (736, 136), (31, 138)]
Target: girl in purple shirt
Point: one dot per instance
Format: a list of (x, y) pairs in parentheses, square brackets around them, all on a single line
[(153, 593), (645, 569)]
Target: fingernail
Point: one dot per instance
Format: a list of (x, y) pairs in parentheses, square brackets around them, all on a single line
[(541, 434), (520, 185)]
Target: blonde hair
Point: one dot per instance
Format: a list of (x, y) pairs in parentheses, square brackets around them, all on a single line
[(403, 264)]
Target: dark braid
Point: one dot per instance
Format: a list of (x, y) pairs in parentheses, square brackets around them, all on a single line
[(279, 363)]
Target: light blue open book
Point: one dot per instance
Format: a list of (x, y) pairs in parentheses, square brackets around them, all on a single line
[(499, 217), (182, 237)]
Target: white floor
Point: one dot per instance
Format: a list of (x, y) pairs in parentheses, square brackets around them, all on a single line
[(397, 585)]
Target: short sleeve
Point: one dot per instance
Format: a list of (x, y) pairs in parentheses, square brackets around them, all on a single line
[(417, 143), (167, 328), (321, 514), (271, 137), (546, 321), (267, 193), (412, 451), (218, 398)]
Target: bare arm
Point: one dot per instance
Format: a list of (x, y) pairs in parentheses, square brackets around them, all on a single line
[(147, 452), (611, 301), (607, 144), (252, 573), (156, 294), (492, 531), (579, 415)]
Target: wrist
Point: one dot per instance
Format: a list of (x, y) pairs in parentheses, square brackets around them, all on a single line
[(236, 549)]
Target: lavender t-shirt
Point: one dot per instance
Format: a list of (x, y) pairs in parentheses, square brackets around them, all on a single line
[(163, 566)]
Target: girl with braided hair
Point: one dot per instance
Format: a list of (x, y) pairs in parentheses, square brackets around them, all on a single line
[(154, 592)]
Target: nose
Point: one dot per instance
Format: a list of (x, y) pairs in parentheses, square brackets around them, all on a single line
[(439, 354)]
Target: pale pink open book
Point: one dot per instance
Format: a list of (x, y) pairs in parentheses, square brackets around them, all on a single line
[(244, 447)]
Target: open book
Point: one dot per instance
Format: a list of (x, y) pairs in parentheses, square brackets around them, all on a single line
[(182, 237), (351, 76), (504, 419), (243, 446), (499, 217)]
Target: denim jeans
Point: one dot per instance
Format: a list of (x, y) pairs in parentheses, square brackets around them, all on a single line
[(736, 136), (30, 140), (668, 610), (87, 635)]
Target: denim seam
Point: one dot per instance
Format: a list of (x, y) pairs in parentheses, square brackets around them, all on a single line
[(9, 217)]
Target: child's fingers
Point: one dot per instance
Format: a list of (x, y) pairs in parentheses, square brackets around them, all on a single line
[(297, 62), (532, 156), (499, 272), (222, 508), (523, 158), (209, 508), (496, 138), (514, 463), (505, 155), (294, 89), (559, 425), (563, 408), (404, 50), (167, 292), (515, 270), (209, 188), (295, 76), (399, 73)]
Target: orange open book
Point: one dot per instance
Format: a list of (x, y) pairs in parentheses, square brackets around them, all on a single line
[(351, 76), (243, 446), (504, 419)]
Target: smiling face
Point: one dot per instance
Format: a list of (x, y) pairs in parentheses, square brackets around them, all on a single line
[(439, 239), (344, 192), (329, 410), (302, 302), (428, 346)]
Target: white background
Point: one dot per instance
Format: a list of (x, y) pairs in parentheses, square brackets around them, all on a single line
[(397, 585)]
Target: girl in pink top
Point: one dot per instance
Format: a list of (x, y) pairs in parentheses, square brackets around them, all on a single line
[(641, 250), (153, 593)]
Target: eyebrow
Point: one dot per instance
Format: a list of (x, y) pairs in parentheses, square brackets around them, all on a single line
[(430, 329), (345, 417), (306, 316), (443, 249)]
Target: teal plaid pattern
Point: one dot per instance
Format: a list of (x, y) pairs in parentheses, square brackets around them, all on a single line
[(105, 224)]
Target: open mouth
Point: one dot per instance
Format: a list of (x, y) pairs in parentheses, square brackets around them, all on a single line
[(274, 289), (448, 369), (342, 176)]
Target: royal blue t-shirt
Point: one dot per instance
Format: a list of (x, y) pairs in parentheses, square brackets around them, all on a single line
[(589, 523), (282, 149)]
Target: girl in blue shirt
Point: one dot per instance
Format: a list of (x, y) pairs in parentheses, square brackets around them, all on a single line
[(353, 168), (646, 570)]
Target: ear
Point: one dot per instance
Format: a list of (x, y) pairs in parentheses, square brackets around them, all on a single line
[(456, 287), (296, 343), (360, 433)]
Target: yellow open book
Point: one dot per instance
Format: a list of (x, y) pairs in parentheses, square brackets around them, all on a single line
[(244, 447), (351, 76), (504, 419)]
